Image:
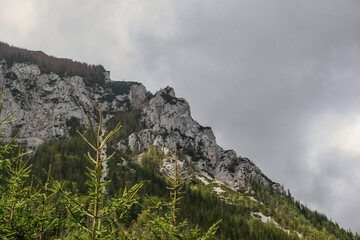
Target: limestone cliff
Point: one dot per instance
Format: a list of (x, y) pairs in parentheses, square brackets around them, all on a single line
[(51, 106)]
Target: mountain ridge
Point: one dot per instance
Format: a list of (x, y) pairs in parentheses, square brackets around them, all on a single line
[(50, 106)]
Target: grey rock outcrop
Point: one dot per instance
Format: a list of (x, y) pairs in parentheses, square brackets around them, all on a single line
[(49, 106), (168, 123)]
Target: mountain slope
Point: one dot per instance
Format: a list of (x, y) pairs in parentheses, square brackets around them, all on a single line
[(50, 106), (52, 98)]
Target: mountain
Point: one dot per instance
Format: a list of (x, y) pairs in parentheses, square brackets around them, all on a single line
[(50, 106), (52, 98)]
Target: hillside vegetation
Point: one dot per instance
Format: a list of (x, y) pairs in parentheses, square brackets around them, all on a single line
[(38, 206)]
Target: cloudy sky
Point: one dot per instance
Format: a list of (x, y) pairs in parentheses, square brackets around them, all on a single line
[(278, 81)]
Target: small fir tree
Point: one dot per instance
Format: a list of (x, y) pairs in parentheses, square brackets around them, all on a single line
[(98, 218)]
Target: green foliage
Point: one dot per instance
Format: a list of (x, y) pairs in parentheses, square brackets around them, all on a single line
[(98, 218), (130, 121), (295, 216), (124, 169), (159, 221), (46, 207), (25, 208), (16, 220), (151, 160), (66, 156)]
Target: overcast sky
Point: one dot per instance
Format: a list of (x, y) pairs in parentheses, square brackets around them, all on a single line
[(278, 81)]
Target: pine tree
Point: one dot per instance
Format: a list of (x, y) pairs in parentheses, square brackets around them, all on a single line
[(99, 218)]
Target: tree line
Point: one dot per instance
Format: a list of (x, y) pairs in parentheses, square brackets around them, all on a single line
[(92, 74)]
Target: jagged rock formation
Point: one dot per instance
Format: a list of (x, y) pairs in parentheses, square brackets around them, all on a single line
[(51, 106), (48, 105), (169, 123)]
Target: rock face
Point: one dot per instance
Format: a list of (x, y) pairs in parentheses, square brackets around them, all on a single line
[(168, 123), (50, 106)]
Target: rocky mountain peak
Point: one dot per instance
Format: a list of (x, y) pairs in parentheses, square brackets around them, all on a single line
[(168, 91), (49, 105)]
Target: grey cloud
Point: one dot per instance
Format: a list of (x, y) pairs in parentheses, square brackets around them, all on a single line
[(260, 74), (334, 189)]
